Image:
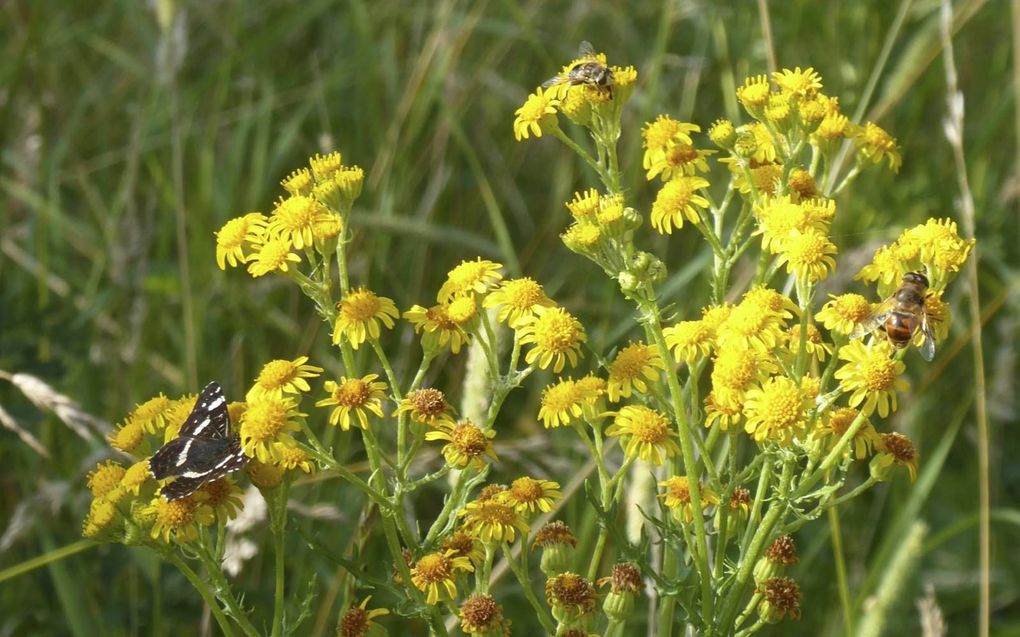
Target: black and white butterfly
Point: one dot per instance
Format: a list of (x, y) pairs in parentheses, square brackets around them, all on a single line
[(203, 451)]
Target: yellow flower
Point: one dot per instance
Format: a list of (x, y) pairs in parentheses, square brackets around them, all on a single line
[(777, 218), (349, 181), (294, 219), (582, 237), (530, 495), (427, 406), (462, 310), (661, 134), (610, 209), (467, 444), (464, 545), (735, 368), (776, 410), (754, 94), (814, 344), (803, 186), (632, 366), (232, 237), (690, 341), (837, 422), (223, 497), (894, 450), (676, 201), (556, 336), (872, 375), (274, 254), (807, 255), (127, 437), (470, 276), (875, 145), (939, 317), (104, 478), (358, 621), (562, 404), (678, 160), (646, 434), (722, 133), (279, 377), (266, 425), (939, 244), (434, 575), (438, 328), (570, 596), (677, 496), (325, 233), (517, 300), (585, 205), (796, 82), (152, 414), (887, 267), (299, 182), (844, 312), (178, 520), (354, 398), (752, 323), (538, 112), (264, 475), (480, 614), (360, 313), (295, 458), (323, 166), (724, 412), (101, 515), (493, 520), (135, 476)]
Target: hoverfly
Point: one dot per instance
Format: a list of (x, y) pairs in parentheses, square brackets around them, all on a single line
[(589, 70), (902, 315)]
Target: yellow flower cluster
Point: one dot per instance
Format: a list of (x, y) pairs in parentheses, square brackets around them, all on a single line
[(580, 101), (312, 216), (934, 248)]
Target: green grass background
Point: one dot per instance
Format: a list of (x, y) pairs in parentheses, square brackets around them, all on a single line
[(124, 147)]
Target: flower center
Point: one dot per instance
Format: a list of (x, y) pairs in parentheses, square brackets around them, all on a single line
[(469, 439), (353, 393), (879, 373), (276, 374), (433, 568), (526, 490), (360, 305), (264, 420), (428, 402), (650, 427)]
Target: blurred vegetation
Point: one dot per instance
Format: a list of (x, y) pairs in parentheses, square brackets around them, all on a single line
[(128, 141)]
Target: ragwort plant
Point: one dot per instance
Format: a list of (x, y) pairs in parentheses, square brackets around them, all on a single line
[(750, 414)]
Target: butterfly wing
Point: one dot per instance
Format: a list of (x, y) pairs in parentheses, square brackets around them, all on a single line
[(209, 418), (203, 451)]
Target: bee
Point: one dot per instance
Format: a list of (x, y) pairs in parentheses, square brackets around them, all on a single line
[(902, 315), (589, 71)]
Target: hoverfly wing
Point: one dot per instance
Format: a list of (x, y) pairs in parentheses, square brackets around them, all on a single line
[(874, 320), (585, 50), (927, 345), (553, 81)]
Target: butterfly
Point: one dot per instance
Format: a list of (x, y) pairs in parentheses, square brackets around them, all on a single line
[(203, 451)]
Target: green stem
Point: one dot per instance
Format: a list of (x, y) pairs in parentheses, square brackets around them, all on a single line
[(653, 320), (392, 377), (541, 613), (841, 578), (761, 536), (588, 159), (278, 525), (225, 594), (203, 590)]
